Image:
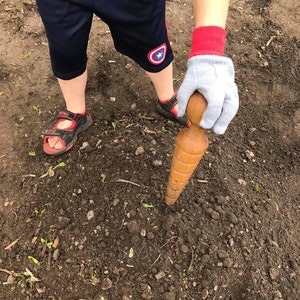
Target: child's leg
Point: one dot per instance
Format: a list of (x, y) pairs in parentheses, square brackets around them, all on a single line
[(67, 33), (139, 31), (73, 91), (163, 82)]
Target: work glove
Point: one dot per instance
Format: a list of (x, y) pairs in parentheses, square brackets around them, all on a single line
[(212, 75)]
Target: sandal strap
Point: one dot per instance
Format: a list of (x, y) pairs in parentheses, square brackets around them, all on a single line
[(67, 115), (168, 105), (80, 121), (166, 109), (55, 131)]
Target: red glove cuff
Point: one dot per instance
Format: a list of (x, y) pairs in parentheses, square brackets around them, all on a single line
[(208, 40)]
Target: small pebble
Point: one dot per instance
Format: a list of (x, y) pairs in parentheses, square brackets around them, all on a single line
[(160, 275), (273, 272), (131, 253), (204, 294), (205, 258), (90, 215), (170, 296), (116, 202), (233, 218), (228, 263), (184, 249), (215, 215), (132, 214), (168, 222), (140, 150), (249, 154), (157, 163), (56, 254), (222, 254), (242, 182), (150, 235), (278, 294), (132, 226), (106, 284)]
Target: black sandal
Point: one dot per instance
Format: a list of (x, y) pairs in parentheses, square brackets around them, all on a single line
[(67, 136), (166, 110)]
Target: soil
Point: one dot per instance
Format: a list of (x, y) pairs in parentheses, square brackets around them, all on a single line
[(93, 224)]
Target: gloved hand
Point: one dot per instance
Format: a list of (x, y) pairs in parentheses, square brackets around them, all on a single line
[(213, 77), (211, 74)]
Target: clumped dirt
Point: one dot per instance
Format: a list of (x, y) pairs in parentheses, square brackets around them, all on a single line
[(96, 227)]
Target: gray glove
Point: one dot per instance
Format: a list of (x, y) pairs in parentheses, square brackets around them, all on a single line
[(213, 77)]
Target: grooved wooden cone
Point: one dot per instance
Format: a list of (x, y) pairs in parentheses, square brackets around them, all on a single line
[(190, 145)]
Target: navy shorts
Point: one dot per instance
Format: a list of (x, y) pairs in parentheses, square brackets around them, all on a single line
[(137, 27)]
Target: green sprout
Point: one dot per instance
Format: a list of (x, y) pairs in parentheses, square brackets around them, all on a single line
[(48, 244), (32, 153), (94, 279), (50, 171), (272, 37), (114, 125), (39, 213), (38, 110), (256, 187), (27, 54), (30, 277), (259, 54), (148, 205), (33, 259), (60, 165)]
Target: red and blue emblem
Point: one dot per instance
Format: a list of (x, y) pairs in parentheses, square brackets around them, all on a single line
[(157, 55)]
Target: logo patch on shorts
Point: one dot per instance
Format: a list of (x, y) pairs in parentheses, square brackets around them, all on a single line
[(157, 55)]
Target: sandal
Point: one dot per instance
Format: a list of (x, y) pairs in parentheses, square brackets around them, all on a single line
[(67, 136), (166, 109)]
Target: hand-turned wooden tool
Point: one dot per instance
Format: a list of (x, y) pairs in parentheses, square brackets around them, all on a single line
[(191, 143)]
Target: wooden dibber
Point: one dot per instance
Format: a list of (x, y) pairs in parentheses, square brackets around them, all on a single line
[(191, 144)]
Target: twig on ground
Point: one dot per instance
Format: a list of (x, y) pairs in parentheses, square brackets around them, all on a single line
[(158, 257), (147, 130), (11, 244), (28, 175), (127, 181), (168, 241), (12, 273), (202, 181), (190, 268)]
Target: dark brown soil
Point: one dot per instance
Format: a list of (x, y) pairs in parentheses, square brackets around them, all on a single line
[(97, 226)]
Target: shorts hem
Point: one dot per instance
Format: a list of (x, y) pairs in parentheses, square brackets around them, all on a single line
[(70, 76), (158, 68)]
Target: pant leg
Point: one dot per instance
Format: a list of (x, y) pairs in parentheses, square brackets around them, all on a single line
[(67, 27), (138, 28)]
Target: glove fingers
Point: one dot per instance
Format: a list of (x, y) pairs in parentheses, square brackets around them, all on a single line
[(214, 106), (230, 108)]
